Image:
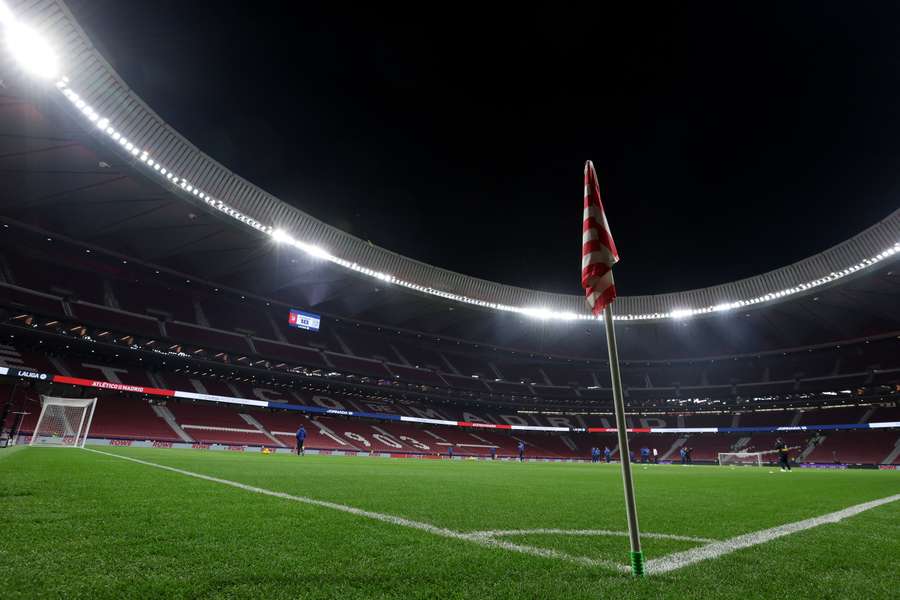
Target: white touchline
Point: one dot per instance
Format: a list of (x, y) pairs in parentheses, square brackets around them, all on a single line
[(394, 520), (678, 560)]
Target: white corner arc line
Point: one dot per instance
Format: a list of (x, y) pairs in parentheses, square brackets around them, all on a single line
[(385, 518), (589, 532), (679, 560)]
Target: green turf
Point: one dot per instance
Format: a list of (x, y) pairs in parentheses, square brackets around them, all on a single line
[(79, 524)]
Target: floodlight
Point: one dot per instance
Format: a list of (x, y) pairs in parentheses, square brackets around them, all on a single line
[(281, 236), (318, 252), (31, 50)]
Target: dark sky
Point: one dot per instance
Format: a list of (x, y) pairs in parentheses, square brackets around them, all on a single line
[(729, 139)]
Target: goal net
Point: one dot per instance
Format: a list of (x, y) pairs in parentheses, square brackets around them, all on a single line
[(64, 422), (752, 459)]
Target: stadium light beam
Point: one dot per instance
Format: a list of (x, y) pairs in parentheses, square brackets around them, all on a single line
[(31, 51), (281, 237)]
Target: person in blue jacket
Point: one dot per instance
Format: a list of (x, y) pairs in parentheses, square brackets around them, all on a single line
[(301, 439)]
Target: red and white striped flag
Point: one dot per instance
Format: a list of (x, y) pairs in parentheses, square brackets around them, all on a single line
[(598, 250)]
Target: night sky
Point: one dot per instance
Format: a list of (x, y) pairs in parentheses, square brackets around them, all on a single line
[(729, 140)]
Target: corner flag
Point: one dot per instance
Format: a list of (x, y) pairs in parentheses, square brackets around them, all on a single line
[(598, 250), (598, 256)]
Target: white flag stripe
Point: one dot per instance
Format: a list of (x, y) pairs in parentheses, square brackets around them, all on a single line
[(602, 283), (603, 256), (597, 213)]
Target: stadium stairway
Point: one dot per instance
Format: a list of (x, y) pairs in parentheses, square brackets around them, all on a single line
[(893, 456), (676, 445), (815, 441), (252, 421), (867, 415), (740, 444), (166, 415)]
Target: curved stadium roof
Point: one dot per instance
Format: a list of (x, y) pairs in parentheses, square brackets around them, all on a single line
[(114, 112)]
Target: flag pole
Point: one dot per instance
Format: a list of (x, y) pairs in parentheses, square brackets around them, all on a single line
[(637, 556)]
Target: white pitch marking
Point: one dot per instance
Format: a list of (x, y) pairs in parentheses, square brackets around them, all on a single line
[(394, 520), (679, 560), (589, 532), (664, 564)]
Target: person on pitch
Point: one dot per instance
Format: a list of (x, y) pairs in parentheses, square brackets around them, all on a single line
[(450, 452), (595, 454), (521, 451), (783, 455), (645, 454), (301, 438), (493, 452), (607, 454)]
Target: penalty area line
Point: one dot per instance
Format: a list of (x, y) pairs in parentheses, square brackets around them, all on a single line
[(475, 538), (678, 560)]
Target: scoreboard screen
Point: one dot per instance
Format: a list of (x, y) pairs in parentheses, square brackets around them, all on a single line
[(304, 320)]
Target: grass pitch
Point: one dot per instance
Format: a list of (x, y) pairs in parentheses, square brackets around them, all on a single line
[(85, 525)]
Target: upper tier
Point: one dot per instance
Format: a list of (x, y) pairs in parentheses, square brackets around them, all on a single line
[(94, 93)]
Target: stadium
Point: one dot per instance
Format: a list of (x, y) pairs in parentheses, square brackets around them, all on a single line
[(167, 326)]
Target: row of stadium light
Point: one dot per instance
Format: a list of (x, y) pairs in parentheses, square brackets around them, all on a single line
[(36, 57)]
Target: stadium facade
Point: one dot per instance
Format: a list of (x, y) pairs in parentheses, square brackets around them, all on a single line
[(137, 268)]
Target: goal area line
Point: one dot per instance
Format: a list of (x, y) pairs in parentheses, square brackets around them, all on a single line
[(710, 549)]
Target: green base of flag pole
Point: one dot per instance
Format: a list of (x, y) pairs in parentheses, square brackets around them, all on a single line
[(637, 563)]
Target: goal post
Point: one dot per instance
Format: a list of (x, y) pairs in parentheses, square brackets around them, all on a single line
[(63, 422)]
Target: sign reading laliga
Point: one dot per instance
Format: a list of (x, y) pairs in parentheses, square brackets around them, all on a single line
[(304, 320)]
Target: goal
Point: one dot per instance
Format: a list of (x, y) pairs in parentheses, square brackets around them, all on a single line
[(751, 459), (63, 422), (755, 459)]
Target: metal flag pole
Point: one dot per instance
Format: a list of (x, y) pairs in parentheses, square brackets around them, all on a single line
[(598, 256), (637, 556)]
